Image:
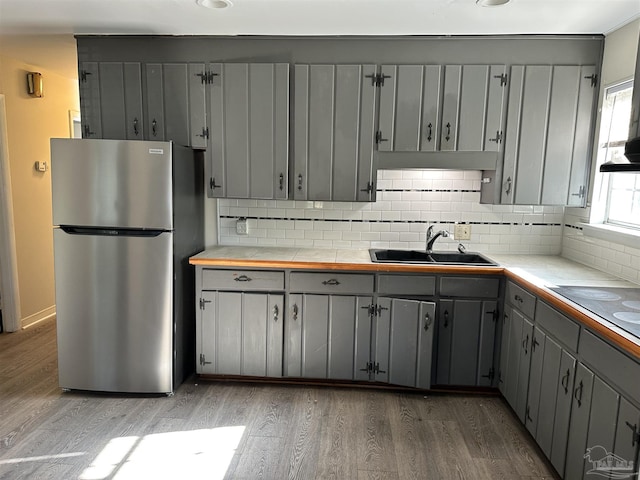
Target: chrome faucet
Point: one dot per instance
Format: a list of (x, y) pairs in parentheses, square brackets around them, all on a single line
[(431, 237)]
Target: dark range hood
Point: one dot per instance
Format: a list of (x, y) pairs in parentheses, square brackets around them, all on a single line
[(632, 152)]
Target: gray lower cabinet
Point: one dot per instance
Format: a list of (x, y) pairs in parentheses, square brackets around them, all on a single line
[(248, 151), (328, 336), (240, 333), (346, 337), (111, 100), (333, 133), (547, 138), (466, 335)]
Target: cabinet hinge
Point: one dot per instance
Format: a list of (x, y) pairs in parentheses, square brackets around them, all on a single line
[(368, 367), (379, 309), (83, 75), (369, 188), (379, 138), (490, 375), (203, 76), (204, 134), (593, 78), (210, 76), (503, 79), (498, 137), (203, 360), (377, 79), (495, 314), (371, 310), (376, 369), (203, 303)]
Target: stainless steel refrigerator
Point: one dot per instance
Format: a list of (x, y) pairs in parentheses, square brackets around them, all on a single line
[(127, 215)]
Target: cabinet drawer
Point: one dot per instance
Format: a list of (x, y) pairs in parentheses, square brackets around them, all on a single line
[(331, 283), (242, 280), (622, 371), (521, 299), (558, 325), (407, 285), (469, 287)]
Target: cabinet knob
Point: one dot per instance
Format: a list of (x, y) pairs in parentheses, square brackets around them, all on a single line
[(242, 278), (427, 321), (154, 127), (430, 132), (577, 394), (446, 318), (281, 181), (565, 381), (448, 137), (295, 311), (276, 311), (135, 126), (300, 182), (331, 281)]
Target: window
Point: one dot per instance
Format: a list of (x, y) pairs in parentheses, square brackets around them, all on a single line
[(622, 207)]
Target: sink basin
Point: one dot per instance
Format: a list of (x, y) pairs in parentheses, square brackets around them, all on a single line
[(435, 258)]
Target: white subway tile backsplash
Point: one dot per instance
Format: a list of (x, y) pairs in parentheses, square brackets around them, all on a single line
[(407, 202)]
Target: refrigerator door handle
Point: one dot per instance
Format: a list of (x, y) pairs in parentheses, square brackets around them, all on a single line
[(110, 232)]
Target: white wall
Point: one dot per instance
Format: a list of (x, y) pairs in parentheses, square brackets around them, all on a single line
[(407, 202), (618, 64)]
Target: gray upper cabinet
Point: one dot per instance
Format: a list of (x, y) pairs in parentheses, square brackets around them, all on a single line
[(547, 145), (111, 100), (333, 132), (249, 135), (175, 103), (441, 108), (410, 98)]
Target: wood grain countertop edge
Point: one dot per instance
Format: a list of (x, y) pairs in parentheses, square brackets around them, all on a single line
[(539, 290)]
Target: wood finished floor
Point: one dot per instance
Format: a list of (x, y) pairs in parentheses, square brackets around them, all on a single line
[(210, 430)]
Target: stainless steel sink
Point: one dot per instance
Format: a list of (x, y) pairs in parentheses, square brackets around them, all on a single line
[(435, 258)]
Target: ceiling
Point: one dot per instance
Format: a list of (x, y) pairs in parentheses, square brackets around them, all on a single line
[(57, 19)]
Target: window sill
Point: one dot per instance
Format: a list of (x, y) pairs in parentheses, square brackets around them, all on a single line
[(623, 236)]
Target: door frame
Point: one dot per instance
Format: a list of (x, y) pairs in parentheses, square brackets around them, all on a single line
[(8, 258)]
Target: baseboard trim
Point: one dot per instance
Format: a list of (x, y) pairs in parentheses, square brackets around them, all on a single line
[(38, 317)]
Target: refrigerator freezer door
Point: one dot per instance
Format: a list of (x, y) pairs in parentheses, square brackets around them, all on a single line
[(114, 312), (112, 183)]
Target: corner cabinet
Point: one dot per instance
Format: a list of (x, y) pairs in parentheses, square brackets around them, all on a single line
[(547, 140), (333, 133), (248, 151)]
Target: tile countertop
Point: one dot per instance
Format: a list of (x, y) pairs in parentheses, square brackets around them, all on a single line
[(535, 272)]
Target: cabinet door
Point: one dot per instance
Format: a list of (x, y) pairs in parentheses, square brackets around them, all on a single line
[(175, 79), (249, 107), (581, 154), (409, 107), (121, 100), (505, 346), (524, 365), (450, 110), (535, 380), (89, 86), (403, 342), (515, 320), (464, 342), (486, 375), (627, 441), (579, 426), (328, 336), (334, 109), (547, 142), (544, 412), (197, 105), (445, 334), (241, 334), (562, 412), (154, 94)]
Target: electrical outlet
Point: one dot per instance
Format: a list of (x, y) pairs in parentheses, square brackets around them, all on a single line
[(462, 232), (242, 228)]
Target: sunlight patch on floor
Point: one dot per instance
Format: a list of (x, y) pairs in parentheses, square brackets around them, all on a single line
[(42, 457), (194, 454)]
